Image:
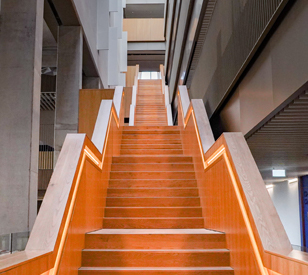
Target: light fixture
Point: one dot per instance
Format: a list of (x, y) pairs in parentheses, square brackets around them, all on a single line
[(279, 173), (269, 186), (293, 180)]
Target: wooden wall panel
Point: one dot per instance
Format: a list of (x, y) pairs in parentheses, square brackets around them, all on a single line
[(144, 29), (89, 103), (234, 200), (220, 211), (127, 100), (130, 76)]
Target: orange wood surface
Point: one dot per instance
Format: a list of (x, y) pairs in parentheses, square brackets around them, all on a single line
[(73, 205), (222, 211), (144, 29), (130, 76), (150, 107), (89, 103), (127, 100)]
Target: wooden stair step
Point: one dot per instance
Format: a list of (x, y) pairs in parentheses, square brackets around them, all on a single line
[(133, 167), (141, 183), (152, 137), (152, 212), (151, 146), (151, 175), (155, 239), (152, 192), (151, 151), (156, 271), (152, 159), (153, 110), (152, 202), (155, 258), (158, 119), (136, 128), (150, 141), (169, 222)]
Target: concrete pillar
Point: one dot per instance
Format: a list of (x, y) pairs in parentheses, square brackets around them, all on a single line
[(91, 82), (21, 32), (69, 82)]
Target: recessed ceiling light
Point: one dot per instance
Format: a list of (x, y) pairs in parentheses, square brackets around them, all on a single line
[(279, 173)]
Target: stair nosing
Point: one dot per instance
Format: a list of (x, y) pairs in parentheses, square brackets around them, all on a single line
[(216, 250)]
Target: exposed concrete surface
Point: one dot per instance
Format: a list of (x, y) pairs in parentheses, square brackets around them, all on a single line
[(91, 82), (21, 31), (69, 82)]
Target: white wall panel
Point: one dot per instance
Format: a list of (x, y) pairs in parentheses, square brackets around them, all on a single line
[(102, 24)]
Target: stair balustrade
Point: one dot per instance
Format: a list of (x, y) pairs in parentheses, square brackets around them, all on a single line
[(234, 198), (74, 201)]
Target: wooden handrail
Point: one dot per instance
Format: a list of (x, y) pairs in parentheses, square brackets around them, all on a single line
[(234, 198), (71, 206)]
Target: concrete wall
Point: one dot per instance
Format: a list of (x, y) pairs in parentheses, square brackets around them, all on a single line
[(286, 200), (20, 83), (91, 15)]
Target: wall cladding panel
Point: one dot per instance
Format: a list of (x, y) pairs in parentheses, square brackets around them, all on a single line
[(249, 20)]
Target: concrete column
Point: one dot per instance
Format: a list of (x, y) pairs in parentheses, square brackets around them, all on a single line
[(91, 82), (21, 31), (69, 81)]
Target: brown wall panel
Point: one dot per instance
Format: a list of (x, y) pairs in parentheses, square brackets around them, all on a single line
[(89, 103)]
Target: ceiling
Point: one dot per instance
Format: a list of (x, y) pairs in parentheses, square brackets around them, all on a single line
[(282, 141), (147, 60), (144, 11)]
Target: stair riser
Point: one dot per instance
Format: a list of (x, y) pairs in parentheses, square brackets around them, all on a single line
[(155, 241), (151, 152), (150, 193), (122, 223), (152, 184), (154, 259), (147, 141), (153, 167), (159, 272), (153, 202), (134, 128), (152, 146), (154, 132), (152, 137), (153, 212), (152, 159), (152, 175), (151, 109)]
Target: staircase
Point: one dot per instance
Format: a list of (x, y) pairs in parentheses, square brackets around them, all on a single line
[(153, 219), (150, 104)]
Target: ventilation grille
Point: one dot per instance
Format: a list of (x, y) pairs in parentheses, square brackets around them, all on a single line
[(201, 38), (281, 141), (48, 101), (250, 19)]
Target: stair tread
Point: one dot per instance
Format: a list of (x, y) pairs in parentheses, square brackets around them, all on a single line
[(157, 188), (217, 250), (156, 268), (155, 218), (197, 231)]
